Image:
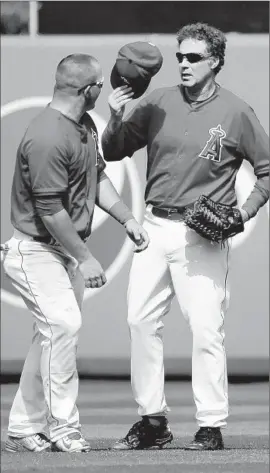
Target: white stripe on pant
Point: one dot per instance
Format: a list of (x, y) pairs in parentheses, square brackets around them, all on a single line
[(179, 262), (52, 288)]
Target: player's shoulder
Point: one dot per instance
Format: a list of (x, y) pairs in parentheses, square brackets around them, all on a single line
[(158, 97), (48, 129), (233, 101), (161, 92)]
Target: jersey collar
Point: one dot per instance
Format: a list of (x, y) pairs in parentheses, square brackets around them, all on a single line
[(198, 104)]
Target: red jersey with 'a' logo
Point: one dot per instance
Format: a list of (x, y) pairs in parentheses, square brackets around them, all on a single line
[(194, 148)]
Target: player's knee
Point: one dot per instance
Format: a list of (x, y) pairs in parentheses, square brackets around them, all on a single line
[(71, 327), (74, 327), (135, 322), (132, 323), (204, 338), (144, 325)]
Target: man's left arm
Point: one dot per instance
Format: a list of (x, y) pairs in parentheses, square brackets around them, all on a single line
[(109, 200), (254, 146)]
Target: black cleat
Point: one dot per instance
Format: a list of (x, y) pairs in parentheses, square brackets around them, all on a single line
[(207, 438), (145, 435)]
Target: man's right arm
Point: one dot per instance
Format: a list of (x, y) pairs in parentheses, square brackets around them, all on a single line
[(62, 229), (122, 138), (48, 166), (113, 143), (254, 146)]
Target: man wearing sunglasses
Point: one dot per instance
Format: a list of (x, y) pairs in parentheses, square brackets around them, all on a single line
[(59, 177), (197, 135)]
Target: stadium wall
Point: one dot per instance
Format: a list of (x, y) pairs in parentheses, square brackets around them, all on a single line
[(27, 79)]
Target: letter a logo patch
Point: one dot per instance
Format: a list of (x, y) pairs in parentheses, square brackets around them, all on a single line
[(212, 149)]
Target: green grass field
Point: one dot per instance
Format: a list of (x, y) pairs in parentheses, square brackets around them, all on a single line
[(107, 411)]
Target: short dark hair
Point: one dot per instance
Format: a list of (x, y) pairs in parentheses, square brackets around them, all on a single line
[(74, 71), (214, 38)]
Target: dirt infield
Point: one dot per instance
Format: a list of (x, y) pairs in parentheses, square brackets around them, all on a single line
[(107, 411)]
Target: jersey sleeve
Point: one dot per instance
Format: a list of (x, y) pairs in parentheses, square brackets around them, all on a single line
[(254, 146), (48, 166), (254, 142)]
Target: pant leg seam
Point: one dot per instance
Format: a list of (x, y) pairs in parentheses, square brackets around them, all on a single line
[(47, 323), (222, 316)]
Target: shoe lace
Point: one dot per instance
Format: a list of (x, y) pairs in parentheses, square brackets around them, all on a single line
[(201, 434), (136, 429), (145, 431), (75, 436), (40, 438)]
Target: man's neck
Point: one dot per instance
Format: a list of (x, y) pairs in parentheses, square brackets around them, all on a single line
[(70, 109), (201, 93)]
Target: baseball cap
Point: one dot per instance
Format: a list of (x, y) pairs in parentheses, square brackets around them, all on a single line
[(135, 65)]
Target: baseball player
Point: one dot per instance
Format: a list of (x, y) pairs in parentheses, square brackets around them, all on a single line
[(197, 135), (58, 178)]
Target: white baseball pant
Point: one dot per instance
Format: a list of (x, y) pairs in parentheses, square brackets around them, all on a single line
[(52, 289), (179, 262)]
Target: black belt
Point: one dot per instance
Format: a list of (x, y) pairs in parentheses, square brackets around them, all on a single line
[(172, 214), (49, 240)]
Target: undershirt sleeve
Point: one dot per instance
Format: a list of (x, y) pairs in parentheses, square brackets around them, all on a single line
[(48, 205)]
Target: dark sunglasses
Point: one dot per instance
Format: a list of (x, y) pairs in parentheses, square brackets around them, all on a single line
[(92, 84), (192, 58)]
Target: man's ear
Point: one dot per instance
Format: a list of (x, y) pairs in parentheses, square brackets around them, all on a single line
[(87, 91), (214, 62)]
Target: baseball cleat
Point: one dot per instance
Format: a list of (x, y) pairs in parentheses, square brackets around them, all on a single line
[(144, 435), (71, 443), (207, 438), (33, 443)]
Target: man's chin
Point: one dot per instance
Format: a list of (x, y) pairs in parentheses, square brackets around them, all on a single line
[(188, 82)]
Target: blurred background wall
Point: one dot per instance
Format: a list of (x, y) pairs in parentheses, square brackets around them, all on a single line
[(35, 37)]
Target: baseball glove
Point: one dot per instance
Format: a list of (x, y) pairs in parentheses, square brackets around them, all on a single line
[(212, 220)]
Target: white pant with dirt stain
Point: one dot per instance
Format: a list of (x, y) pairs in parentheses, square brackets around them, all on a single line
[(52, 289), (179, 262)]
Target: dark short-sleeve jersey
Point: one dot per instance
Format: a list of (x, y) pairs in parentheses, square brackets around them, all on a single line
[(192, 148), (56, 157)]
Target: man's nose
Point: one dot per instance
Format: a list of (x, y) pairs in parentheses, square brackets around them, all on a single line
[(185, 62)]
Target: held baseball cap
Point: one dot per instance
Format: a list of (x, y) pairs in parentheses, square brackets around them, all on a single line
[(135, 65)]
